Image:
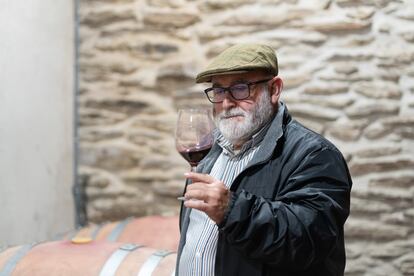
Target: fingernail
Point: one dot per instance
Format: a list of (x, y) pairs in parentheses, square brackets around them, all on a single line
[(187, 174)]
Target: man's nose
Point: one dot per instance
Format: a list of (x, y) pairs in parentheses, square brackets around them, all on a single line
[(228, 101)]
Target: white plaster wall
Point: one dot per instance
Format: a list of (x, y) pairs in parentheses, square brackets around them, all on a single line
[(36, 119)]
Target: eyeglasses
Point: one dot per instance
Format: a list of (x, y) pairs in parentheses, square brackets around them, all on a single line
[(238, 91)]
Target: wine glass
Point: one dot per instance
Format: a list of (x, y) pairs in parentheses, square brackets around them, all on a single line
[(194, 137)]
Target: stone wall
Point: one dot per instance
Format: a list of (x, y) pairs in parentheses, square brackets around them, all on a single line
[(347, 67)]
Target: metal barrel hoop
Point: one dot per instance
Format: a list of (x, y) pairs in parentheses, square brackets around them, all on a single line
[(149, 266), (114, 261), (113, 236)]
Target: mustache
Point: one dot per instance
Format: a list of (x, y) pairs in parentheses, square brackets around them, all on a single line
[(230, 113)]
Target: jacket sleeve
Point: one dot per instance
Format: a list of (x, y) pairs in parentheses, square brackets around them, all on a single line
[(303, 223)]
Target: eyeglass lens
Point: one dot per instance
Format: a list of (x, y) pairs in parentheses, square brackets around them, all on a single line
[(238, 92)]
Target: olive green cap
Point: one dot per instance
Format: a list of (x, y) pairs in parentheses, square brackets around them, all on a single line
[(241, 58)]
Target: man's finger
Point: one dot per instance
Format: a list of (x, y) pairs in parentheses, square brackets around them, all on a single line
[(196, 194), (196, 186), (200, 177), (196, 204)]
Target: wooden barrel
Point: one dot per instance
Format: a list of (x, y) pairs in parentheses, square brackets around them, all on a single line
[(86, 258), (152, 231)]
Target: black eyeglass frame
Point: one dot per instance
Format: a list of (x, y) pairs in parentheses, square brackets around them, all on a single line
[(206, 91)]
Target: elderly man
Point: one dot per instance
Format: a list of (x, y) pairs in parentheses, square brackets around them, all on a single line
[(271, 197)]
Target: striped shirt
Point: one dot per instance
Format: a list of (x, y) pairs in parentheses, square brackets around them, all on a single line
[(199, 252)]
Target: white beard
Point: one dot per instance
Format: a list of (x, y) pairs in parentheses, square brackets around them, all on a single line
[(240, 132)]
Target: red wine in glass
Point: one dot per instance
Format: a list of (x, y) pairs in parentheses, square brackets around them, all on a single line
[(194, 155)]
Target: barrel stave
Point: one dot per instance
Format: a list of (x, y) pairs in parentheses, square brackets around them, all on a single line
[(65, 258)]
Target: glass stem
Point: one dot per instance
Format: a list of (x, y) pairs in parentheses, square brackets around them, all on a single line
[(193, 169)]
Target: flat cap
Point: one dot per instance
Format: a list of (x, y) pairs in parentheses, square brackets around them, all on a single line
[(241, 58)]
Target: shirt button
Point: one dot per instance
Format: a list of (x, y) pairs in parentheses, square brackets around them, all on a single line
[(198, 254)]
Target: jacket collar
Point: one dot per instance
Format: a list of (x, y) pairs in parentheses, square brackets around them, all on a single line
[(272, 136)]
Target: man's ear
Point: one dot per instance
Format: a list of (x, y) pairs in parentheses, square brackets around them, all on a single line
[(276, 86)]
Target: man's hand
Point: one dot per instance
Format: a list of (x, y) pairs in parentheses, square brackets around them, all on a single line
[(207, 194)]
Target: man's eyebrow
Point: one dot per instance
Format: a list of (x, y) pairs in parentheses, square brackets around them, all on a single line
[(232, 83)]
